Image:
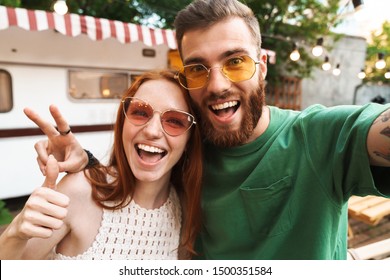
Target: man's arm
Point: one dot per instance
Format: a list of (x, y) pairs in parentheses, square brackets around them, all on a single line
[(378, 140), (64, 146)]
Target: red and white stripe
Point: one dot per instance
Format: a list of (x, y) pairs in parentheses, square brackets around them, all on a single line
[(95, 28)]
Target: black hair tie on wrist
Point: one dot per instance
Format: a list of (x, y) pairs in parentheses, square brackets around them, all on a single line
[(92, 161)]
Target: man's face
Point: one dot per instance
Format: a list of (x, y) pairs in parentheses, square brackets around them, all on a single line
[(229, 111)]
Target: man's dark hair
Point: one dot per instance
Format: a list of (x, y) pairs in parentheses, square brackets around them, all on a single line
[(201, 14)]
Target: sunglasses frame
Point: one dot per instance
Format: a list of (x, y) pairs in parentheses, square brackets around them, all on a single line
[(160, 112), (180, 73)]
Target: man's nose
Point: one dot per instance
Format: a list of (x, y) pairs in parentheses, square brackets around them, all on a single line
[(218, 82)]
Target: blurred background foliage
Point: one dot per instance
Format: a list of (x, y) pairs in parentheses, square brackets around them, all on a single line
[(379, 43)]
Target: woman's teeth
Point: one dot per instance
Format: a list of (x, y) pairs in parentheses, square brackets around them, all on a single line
[(150, 149)]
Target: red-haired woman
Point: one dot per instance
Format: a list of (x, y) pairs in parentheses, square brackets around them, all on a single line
[(145, 204)]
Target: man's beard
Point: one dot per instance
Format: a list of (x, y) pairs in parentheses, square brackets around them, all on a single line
[(251, 108)]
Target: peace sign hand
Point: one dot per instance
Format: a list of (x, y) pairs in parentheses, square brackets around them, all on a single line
[(61, 143)]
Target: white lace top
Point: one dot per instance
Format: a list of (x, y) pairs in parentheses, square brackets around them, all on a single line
[(136, 233)]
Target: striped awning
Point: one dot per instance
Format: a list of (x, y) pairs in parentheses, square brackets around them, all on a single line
[(95, 28)]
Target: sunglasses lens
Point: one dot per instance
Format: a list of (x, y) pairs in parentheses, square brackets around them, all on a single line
[(137, 112), (195, 76), (176, 122), (239, 69), (173, 122)]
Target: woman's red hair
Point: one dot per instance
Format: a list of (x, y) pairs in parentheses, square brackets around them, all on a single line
[(186, 174)]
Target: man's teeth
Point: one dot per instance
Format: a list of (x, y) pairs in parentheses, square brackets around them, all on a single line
[(150, 149), (224, 105)]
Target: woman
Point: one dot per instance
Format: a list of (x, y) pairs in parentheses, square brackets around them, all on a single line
[(145, 204)]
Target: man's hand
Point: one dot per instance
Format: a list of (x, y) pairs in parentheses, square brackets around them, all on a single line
[(61, 143)]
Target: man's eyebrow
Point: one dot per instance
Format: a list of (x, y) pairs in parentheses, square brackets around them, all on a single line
[(194, 60), (228, 53), (233, 52)]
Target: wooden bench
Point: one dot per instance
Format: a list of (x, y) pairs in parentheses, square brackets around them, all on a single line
[(369, 209), (375, 251)]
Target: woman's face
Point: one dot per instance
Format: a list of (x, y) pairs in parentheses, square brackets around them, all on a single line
[(151, 152)]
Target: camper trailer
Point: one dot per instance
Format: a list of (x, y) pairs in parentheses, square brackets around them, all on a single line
[(80, 63)]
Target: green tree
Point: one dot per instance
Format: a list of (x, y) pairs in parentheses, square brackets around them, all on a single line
[(5, 215), (165, 10), (10, 3), (300, 22), (380, 43), (123, 10)]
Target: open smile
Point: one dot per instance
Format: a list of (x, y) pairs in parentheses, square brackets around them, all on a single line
[(150, 154), (225, 109)]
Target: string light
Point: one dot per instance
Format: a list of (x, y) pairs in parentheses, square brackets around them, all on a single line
[(387, 74), (60, 7), (318, 49), (361, 75), (337, 70), (295, 55), (326, 65), (381, 63)]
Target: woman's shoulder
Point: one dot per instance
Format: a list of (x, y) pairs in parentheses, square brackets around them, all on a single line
[(75, 185), (82, 210), (82, 205)]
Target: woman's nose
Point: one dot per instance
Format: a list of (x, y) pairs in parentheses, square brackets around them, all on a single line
[(153, 128)]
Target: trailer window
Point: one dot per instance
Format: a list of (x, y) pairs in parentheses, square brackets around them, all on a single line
[(6, 102), (97, 85)]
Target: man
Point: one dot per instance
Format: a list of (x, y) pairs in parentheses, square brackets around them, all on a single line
[(276, 182)]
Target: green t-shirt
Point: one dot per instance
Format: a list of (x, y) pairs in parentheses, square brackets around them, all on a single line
[(284, 195)]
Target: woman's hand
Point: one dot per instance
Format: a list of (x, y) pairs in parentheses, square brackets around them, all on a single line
[(45, 209), (44, 212), (60, 142)]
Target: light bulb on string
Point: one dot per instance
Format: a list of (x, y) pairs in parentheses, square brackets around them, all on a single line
[(337, 70), (326, 65), (381, 63), (387, 74), (60, 7), (295, 55), (318, 49), (361, 75)]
